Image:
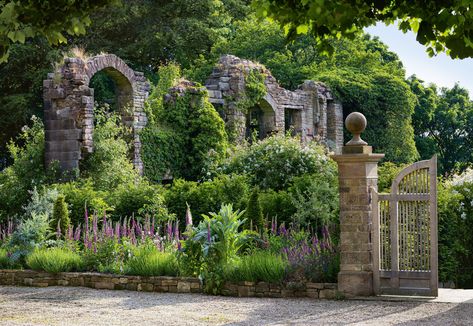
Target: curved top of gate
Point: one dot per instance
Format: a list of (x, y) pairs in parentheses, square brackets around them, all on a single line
[(415, 179)]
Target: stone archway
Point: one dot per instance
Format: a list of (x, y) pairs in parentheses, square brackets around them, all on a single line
[(69, 105)]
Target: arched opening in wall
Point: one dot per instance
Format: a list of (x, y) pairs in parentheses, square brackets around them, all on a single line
[(260, 121), (109, 114), (113, 92)]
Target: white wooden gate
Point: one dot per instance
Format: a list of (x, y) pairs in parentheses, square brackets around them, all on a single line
[(405, 259)]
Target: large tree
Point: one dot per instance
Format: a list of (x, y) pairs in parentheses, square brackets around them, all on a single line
[(443, 123), (439, 25)]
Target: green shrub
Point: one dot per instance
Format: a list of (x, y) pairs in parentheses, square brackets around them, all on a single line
[(29, 235), (4, 259), (136, 199), (274, 162), (277, 204), (54, 260), (110, 165), (207, 196), (213, 244), (107, 255), (315, 200), (60, 215), (26, 172), (80, 193), (254, 214), (41, 202), (259, 266), (149, 261)]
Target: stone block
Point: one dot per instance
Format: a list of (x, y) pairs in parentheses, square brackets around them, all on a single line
[(327, 294), (183, 287), (355, 283), (104, 285)]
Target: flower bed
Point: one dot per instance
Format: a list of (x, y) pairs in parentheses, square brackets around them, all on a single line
[(165, 284)]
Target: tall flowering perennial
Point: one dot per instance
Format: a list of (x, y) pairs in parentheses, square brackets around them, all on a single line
[(309, 257)]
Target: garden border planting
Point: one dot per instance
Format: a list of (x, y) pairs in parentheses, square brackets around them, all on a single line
[(165, 284)]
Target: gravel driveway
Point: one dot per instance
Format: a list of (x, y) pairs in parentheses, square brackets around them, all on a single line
[(83, 306)]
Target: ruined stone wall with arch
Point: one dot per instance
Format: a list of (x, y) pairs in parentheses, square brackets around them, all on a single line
[(311, 110), (69, 107)]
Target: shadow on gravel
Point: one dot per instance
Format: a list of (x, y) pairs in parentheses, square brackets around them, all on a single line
[(326, 312), (461, 314)]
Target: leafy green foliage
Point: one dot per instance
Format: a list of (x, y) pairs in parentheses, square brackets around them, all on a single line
[(207, 196), (213, 244), (41, 202), (274, 162), (150, 33), (187, 140), (4, 259), (277, 205), (29, 235), (54, 260), (253, 213), (387, 171), (26, 172), (260, 266), (109, 165), (81, 193), (21, 87), (439, 26), (168, 77), (148, 261), (315, 199), (443, 124), (20, 21)]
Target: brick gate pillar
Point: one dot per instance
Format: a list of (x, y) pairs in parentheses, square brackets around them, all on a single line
[(358, 171)]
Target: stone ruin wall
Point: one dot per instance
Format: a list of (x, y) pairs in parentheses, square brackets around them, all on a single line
[(317, 115), (69, 104), (69, 107)]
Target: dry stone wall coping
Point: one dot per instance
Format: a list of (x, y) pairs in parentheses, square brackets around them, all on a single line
[(165, 284)]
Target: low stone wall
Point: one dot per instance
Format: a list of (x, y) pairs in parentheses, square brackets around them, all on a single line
[(102, 281), (165, 284), (286, 290)]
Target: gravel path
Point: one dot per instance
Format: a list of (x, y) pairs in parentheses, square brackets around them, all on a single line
[(83, 306)]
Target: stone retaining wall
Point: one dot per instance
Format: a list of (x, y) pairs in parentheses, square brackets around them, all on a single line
[(165, 284), (286, 290)]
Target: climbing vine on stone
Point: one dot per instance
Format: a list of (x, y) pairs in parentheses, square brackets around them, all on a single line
[(188, 136), (255, 90)]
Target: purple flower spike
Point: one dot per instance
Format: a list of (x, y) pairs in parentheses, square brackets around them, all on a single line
[(169, 231), (77, 233), (188, 215)]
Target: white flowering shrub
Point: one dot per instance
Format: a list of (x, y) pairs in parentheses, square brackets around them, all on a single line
[(274, 162)]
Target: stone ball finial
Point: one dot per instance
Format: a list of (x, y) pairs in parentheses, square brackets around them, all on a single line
[(356, 124)]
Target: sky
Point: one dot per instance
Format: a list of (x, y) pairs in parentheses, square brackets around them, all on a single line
[(441, 69)]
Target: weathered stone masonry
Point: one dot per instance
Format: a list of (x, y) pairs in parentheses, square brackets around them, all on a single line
[(311, 109), (69, 107)]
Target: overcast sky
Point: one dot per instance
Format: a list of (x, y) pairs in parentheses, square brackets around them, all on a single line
[(441, 69)]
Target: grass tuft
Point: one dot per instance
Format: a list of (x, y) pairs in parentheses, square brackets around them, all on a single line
[(54, 260)]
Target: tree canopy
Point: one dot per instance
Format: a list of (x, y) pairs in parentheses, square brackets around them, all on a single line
[(439, 25), (21, 20)]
